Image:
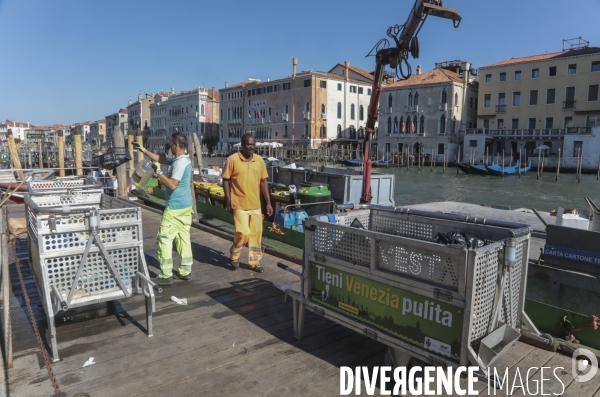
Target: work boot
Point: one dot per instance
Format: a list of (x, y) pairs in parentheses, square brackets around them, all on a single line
[(234, 265), (163, 280), (187, 277), (257, 269)]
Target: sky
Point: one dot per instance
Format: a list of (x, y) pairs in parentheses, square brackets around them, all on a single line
[(69, 61)]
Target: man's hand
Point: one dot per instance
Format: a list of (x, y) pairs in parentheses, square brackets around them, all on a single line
[(139, 147), (269, 209), (156, 166), (228, 206)]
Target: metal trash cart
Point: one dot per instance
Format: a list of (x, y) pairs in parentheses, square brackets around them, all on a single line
[(85, 247), (378, 271)]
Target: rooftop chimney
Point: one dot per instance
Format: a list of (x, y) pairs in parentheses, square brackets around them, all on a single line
[(418, 69), (347, 67), (226, 84), (172, 90), (466, 69), (295, 64)]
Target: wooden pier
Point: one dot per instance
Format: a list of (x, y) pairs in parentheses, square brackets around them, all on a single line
[(233, 338)]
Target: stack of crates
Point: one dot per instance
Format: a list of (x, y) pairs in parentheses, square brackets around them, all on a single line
[(85, 247)]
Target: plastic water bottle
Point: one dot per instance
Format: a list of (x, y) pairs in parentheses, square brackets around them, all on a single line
[(142, 173)]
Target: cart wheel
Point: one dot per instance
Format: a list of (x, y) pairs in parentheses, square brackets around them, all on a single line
[(548, 339)]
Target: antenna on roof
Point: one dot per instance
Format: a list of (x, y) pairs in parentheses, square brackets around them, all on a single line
[(575, 44)]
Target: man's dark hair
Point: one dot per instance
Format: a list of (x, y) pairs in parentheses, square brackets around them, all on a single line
[(245, 137), (180, 139)]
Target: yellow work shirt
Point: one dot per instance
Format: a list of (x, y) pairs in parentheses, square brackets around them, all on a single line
[(244, 179)]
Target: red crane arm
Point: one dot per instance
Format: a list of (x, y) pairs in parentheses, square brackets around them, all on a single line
[(392, 56)]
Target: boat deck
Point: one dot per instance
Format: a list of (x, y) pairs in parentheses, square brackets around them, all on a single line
[(234, 337)]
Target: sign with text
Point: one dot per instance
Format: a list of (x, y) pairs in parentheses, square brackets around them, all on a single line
[(36, 136), (424, 322), (592, 258)]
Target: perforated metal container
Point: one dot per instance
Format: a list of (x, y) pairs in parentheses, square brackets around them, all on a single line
[(61, 183), (353, 267), (85, 247)]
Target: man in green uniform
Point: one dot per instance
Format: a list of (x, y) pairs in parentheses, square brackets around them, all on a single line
[(177, 218)]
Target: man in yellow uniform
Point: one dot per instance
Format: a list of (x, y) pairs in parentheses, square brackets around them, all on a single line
[(177, 217), (244, 178)]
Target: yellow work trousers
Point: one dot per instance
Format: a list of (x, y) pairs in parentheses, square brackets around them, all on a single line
[(248, 229), (175, 225)]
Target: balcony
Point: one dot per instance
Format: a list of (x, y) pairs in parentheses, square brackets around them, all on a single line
[(306, 115), (500, 108), (324, 116), (284, 117), (443, 107), (569, 105), (388, 110)]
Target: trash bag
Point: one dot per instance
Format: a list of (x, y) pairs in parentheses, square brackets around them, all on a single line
[(456, 238)]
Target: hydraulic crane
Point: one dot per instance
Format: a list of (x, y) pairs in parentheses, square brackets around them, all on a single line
[(405, 38)]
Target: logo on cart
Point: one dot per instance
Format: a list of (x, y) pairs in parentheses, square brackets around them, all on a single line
[(581, 366)]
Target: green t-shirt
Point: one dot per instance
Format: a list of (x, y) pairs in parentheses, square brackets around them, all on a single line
[(180, 168)]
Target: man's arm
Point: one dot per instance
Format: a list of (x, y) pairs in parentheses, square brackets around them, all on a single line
[(171, 183), (227, 191), (264, 188)]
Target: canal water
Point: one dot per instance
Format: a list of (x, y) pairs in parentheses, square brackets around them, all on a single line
[(414, 186)]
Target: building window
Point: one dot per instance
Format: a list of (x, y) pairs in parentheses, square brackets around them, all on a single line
[(590, 121), (368, 91), (552, 71), (473, 143), (410, 99), (456, 98), (488, 78), (389, 125), (549, 123), (577, 147), (339, 131), (535, 73), (285, 131), (516, 98), (596, 66), (500, 123), (572, 69), (286, 86), (360, 90), (532, 123), (443, 124), (593, 93), (517, 75), (501, 102), (353, 89), (323, 108), (416, 100), (502, 76), (361, 113), (307, 107), (339, 110), (550, 96), (533, 97), (269, 89), (444, 96), (487, 100), (276, 88), (441, 147), (514, 124), (286, 109), (390, 101), (339, 88), (323, 84), (568, 122), (306, 130), (422, 125), (307, 82)]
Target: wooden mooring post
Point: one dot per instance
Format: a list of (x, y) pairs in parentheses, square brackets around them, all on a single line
[(78, 154), (119, 142), (190, 150), (61, 153), (14, 154), (130, 139), (558, 166)]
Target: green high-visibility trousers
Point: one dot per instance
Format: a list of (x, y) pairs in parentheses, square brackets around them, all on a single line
[(175, 225)]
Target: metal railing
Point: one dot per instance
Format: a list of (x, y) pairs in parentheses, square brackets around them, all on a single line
[(569, 104), (500, 108), (543, 132)]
